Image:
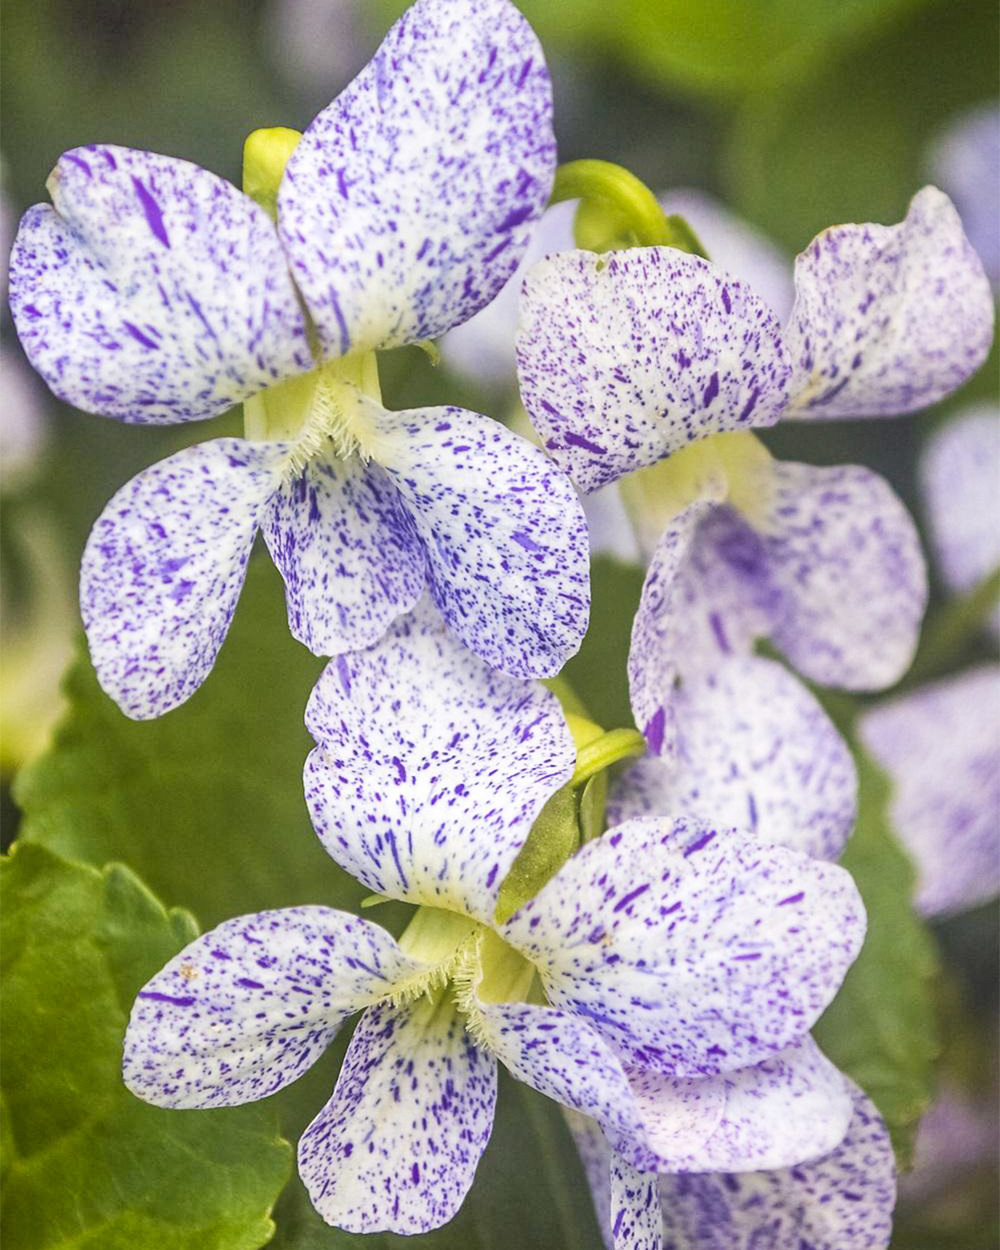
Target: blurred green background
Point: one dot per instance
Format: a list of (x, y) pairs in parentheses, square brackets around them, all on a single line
[(795, 113)]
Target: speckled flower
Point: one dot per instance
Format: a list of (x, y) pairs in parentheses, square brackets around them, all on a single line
[(672, 363), (842, 1200), (659, 961), (940, 743), (152, 291)]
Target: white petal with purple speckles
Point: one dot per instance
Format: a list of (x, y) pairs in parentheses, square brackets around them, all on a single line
[(595, 1155), (164, 566), (781, 1111), (449, 761), (636, 1220), (888, 319), (504, 532), (625, 358), (959, 476), (408, 203), (345, 547), (397, 1145), (250, 1006), (752, 748), (153, 291), (563, 1057), (842, 1201), (965, 162), (941, 748), (694, 951), (848, 573)]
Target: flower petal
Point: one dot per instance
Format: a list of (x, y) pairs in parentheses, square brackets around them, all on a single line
[(246, 1008), (409, 201), (849, 575), (164, 566), (627, 357), (842, 1200), (966, 162), (694, 951), (344, 544), (504, 532), (751, 748), (941, 750), (153, 291), (958, 475), (397, 1145), (449, 761), (782, 1111), (564, 1058), (888, 319), (636, 1218)]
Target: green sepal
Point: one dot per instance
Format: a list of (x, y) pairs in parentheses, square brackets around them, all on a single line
[(265, 155), (554, 837)]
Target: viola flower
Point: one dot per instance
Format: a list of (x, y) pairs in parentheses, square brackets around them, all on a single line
[(844, 1198), (939, 744), (630, 358), (154, 292), (660, 959)]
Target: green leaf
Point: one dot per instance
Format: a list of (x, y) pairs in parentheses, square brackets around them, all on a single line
[(597, 673), (529, 1191), (89, 1166), (206, 803), (881, 1029), (850, 143)]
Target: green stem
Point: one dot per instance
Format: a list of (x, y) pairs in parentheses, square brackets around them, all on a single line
[(620, 191), (952, 629), (608, 749)]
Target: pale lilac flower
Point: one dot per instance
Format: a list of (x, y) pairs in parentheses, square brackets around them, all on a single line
[(674, 361), (940, 744), (661, 983), (842, 1200), (155, 292), (965, 161)]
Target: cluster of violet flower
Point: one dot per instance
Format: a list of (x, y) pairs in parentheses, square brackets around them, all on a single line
[(660, 977)]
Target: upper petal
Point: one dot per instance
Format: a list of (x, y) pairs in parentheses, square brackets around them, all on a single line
[(626, 357), (248, 1007), (397, 1145), (431, 767), (344, 544), (750, 747), (694, 952), (842, 1200), (164, 567), (504, 533), (409, 201), (941, 749), (888, 319), (153, 291), (958, 476), (848, 573)]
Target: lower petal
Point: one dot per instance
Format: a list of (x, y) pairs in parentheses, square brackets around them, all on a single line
[(636, 1219), (842, 1200), (504, 532), (396, 1147), (164, 566), (845, 558), (752, 749), (345, 547)]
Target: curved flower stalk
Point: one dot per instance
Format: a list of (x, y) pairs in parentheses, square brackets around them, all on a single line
[(673, 363), (843, 1199), (152, 291), (940, 743), (662, 982)]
